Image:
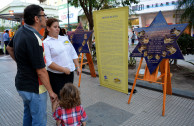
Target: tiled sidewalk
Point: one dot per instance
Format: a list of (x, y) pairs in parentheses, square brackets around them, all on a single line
[(105, 107)]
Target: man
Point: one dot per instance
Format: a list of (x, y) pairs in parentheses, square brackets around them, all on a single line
[(27, 51), (6, 39)]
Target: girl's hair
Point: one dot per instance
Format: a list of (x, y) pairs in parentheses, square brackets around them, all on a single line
[(69, 96), (49, 22)]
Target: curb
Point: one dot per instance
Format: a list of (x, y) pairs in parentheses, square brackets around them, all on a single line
[(157, 87)]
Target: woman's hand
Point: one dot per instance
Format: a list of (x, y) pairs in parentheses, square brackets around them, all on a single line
[(78, 71), (66, 71)]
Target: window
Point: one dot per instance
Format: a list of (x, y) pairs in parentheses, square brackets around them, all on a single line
[(167, 3), (134, 8), (173, 2), (141, 7), (148, 6)]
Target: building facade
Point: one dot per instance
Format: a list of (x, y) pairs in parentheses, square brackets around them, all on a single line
[(143, 13), (16, 7)]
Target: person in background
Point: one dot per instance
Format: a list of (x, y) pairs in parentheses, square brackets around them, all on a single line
[(133, 38), (6, 40), (69, 110), (32, 80), (60, 32), (60, 55), (63, 31)]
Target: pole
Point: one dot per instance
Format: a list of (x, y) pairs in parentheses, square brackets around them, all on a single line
[(69, 29)]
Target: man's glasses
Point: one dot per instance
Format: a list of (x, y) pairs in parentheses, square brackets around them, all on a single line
[(43, 15)]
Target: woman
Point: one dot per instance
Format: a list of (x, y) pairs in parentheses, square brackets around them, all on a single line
[(61, 57)]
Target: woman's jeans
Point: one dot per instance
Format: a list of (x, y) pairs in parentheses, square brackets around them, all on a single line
[(35, 106)]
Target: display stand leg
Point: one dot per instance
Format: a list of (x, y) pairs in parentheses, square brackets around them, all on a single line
[(134, 83), (164, 87), (81, 70)]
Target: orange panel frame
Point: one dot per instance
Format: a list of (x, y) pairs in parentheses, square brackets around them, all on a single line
[(90, 63), (152, 78)]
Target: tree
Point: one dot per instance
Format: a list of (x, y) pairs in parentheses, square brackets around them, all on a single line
[(2, 28), (187, 6), (186, 44), (89, 5), (41, 1)]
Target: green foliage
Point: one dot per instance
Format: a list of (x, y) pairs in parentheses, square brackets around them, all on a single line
[(186, 44), (187, 6), (41, 1), (2, 28), (101, 4), (132, 61), (15, 28)]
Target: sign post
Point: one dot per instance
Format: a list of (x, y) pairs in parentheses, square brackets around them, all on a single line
[(80, 40), (157, 44)]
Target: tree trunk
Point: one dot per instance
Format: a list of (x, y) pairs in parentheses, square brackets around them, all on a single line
[(89, 16), (175, 62), (91, 27)]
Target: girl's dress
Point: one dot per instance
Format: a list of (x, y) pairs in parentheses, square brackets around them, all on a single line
[(70, 117)]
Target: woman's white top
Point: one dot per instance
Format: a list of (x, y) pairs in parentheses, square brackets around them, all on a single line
[(59, 51)]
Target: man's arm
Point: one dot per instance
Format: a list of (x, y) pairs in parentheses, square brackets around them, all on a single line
[(43, 75), (11, 51)]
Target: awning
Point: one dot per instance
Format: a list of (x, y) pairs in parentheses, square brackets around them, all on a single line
[(14, 17)]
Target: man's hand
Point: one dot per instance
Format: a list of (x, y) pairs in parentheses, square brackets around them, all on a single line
[(53, 96), (55, 104)]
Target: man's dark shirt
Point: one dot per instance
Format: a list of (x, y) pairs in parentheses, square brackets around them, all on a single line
[(29, 57)]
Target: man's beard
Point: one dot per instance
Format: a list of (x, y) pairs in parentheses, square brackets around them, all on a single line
[(42, 26)]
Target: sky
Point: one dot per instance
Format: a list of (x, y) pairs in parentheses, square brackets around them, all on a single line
[(6, 2)]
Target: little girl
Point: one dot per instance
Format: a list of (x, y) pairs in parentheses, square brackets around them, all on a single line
[(69, 111)]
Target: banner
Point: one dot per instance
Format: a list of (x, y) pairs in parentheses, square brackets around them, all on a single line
[(111, 37)]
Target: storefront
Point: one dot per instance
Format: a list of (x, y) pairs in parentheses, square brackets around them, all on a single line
[(16, 8), (148, 9), (63, 15), (145, 11)]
